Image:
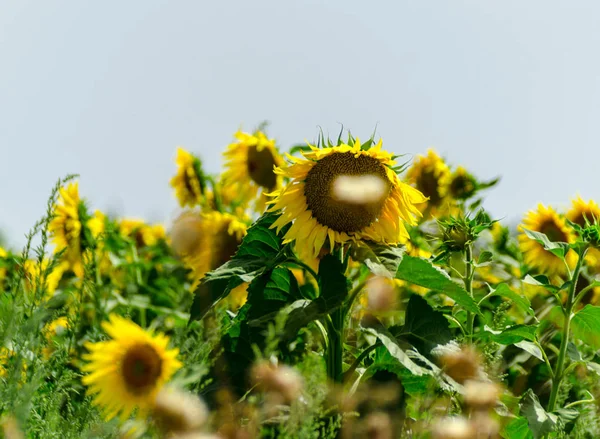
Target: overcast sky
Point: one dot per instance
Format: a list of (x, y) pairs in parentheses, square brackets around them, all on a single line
[(109, 89)]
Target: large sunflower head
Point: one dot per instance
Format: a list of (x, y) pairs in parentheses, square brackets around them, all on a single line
[(581, 211), (66, 227), (431, 176), (129, 370), (545, 220), (312, 203), (189, 181), (250, 163)]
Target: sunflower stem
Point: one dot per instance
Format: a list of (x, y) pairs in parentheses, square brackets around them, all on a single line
[(567, 309), (468, 281), (335, 346)]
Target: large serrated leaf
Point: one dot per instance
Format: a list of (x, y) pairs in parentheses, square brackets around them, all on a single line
[(424, 328), (540, 422), (511, 335), (421, 272), (518, 428), (259, 251), (586, 325), (559, 249), (521, 302), (381, 260)]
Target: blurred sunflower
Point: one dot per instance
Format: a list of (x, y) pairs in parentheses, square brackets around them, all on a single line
[(462, 184), (129, 370), (189, 180), (250, 164), (546, 220), (317, 214), (3, 255), (34, 272), (65, 227), (141, 233), (580, 212), (431, 175)]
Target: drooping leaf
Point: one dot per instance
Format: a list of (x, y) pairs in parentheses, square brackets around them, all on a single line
[(540, 422), (586, 325), (511, 335), (424, 328), (260, 250), (530, 348), (521, 302), (382, 260), (421, 272), (556, 248), (484, 258)]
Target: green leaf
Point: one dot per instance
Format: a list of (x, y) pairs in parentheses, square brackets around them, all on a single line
[(586, 325), (421, 272), (540, 422), (556, 248), (540, 281), (530, 348), (382, 260), (259, 251), (510, 335), (391, 344), (299, 148), (518, 428), (484, 258), (424, 327), (521, 302)]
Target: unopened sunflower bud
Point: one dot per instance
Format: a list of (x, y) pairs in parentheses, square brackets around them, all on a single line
[(179, 412), (462, 365), (380, 294), (453, 428), (186, 234), (480, 394), (359, 189), (379, 426), (282, 380)]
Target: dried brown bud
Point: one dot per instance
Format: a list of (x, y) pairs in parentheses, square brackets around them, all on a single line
[(179, 412), (282, 380), (485, 427), (462, 365), (381, 294), (379, 426), (480, 394), (187, 234), (453, 428)]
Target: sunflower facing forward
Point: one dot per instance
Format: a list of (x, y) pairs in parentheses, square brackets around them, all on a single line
[(546, 220), (250, 164), (317, 214), (65, 227), (431, 176), (129, 370)]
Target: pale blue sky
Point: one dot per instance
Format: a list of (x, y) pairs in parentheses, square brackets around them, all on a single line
[(109, 89)]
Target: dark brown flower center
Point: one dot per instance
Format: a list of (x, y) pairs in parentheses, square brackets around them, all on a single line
[(552, 231), (339, 215), (141, 368), (260, 167), (224, 246), (428, 184), (582, 217), (462, 187)]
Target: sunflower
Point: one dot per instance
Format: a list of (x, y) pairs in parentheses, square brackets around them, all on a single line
[(547, 221), (189, 180), (317, 214), (431, 176), (3, 255), (65, 227), (462, 184), (250, 164), (35, 270), (129, 370), (578, 214), (143, 234)]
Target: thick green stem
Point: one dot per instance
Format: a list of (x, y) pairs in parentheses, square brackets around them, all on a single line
[(335, 347), (468, 280), (562, 353)]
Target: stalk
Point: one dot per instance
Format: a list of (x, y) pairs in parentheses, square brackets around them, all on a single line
[(468, 281), (560, 363), (335, 347)]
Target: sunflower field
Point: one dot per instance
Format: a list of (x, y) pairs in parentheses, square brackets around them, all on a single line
[(326, 290)]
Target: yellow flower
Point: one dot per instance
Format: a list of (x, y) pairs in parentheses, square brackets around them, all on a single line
[(129, 370), (34, 272), (4, 357), (579, 213), (317, 214), (188, 182), (65, 227), (462, 184), (143, 234), (97, 224), (3, 255), (250, 166), (547, 221), (431, 176)]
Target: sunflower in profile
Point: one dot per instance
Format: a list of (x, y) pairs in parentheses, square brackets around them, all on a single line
[(320, 212), (462, 184), (3, 255), (35, 272), (65, 227), (250, 163), (129, 370), (431, 176), (189, 180), (545, 220), (580, 212)]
